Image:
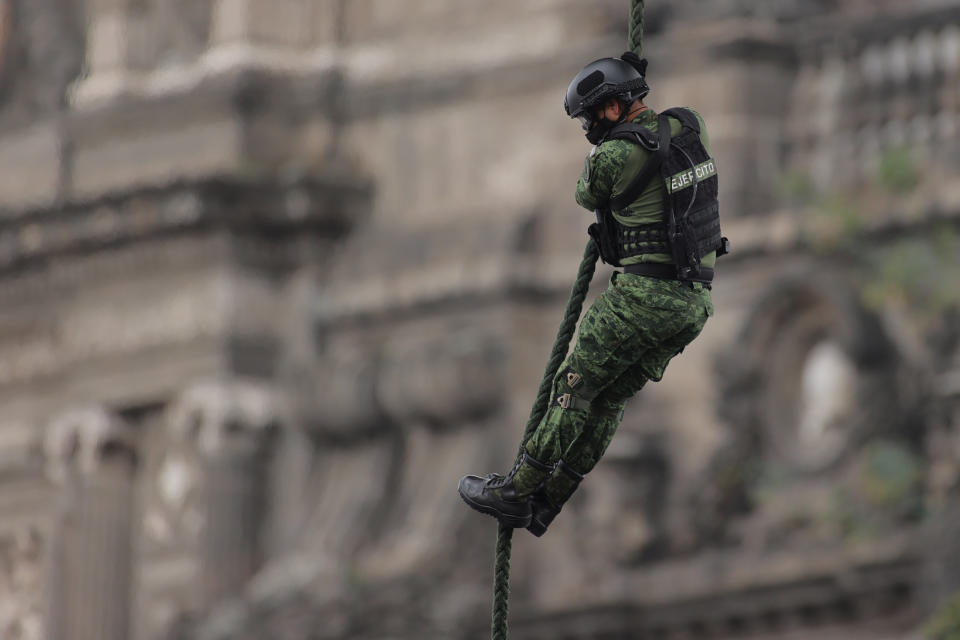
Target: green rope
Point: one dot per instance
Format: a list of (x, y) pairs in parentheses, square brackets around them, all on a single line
[(635, 28), (501, 572), (564, 335), (501, 582)]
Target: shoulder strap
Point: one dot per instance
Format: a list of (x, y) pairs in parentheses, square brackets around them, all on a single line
[(649, 170), (686, 117), (634, 133)]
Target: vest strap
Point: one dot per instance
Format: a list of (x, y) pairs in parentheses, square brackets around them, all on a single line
[(634, 133), (686, 118)]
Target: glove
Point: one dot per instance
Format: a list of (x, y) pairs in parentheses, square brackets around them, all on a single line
[(635, 61)]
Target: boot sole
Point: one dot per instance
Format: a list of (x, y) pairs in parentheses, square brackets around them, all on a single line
[(514, 522)]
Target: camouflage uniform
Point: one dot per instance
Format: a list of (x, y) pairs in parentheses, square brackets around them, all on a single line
[(627, 337)]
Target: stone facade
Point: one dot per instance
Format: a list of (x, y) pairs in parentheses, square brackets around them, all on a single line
[(275, 273)]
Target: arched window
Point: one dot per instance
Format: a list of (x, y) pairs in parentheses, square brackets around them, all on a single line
[(827, 383), (821, 373)]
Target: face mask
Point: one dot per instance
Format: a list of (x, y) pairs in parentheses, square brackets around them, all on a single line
[(600, 131)]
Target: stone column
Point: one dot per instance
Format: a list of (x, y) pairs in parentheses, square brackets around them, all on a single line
[(91, 457), (229, 423)]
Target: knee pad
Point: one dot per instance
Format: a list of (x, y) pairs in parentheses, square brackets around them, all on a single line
[(570, 391)]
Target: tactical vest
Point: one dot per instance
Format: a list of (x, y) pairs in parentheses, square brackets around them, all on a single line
[(691, 225)]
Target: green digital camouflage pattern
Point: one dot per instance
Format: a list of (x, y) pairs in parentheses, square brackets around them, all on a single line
[(612, 166), (627, 337)]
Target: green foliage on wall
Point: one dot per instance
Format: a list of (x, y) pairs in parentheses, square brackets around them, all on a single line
[(796, 188), (945, 624), (884, 489), (833, 223), (920, 273), (897, 171)]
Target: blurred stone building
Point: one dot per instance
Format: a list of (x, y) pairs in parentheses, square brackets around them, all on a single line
[(275, 273)]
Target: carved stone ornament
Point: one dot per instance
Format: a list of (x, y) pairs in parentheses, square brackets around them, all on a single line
[(327, 204), (82, 438), (813, 375), (815, 396), (219, 415)]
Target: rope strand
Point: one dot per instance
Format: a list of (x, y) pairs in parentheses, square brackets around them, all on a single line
[(564, 336), (635, 27), (501, 572), (501, 582)]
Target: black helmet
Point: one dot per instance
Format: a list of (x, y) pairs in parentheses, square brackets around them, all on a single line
[(602, 79)]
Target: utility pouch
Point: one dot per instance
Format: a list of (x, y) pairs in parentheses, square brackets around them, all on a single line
[(604, 233), (685, 249)]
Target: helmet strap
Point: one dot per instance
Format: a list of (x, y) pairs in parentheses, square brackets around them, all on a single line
[(599, 131)]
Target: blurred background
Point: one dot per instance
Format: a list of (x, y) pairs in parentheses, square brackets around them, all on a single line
[(274, 274)]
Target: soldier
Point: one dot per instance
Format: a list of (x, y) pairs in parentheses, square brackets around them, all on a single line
[(653, 185)]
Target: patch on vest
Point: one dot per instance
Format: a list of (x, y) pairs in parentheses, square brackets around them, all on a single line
[(684, 179)]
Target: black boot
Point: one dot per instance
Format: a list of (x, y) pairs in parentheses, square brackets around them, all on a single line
[(506, 498), (547, 501)]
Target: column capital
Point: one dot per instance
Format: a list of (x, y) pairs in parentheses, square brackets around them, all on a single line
[(82, 438), (218, 415)]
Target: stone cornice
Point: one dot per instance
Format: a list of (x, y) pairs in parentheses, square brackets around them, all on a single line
[(858, 30), (785, 231), (321, 204), (394, 292)]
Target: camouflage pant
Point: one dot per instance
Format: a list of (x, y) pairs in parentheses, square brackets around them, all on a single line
[(626, 338)]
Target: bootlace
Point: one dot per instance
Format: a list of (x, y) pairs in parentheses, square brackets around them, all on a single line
[(495, 480)]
